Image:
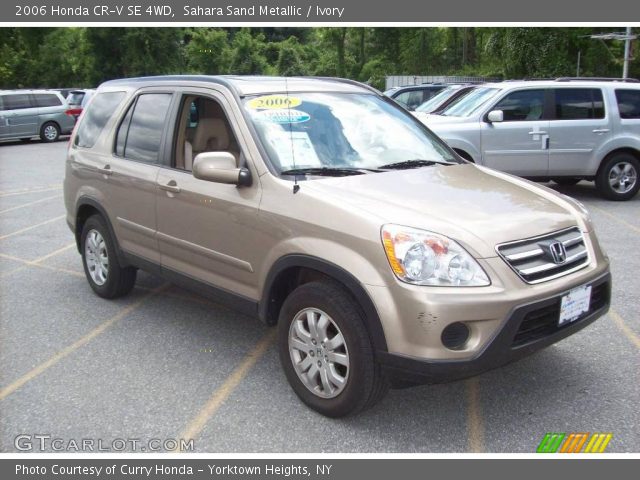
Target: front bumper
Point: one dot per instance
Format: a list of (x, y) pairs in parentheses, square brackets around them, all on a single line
[(529, 328)]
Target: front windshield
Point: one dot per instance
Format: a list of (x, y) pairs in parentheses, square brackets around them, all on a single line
[(435, 101), (470, 103), (340, 131)]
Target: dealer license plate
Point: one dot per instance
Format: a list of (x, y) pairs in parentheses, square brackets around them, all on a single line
[(574, 304)]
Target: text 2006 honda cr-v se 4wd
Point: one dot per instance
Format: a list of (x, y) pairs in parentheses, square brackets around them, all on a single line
[(323, 207)]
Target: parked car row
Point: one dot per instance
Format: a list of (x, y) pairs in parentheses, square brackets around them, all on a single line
[(566, 130), (25, 114)]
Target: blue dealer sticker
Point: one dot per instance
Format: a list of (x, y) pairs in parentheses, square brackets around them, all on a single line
[(283, 115)]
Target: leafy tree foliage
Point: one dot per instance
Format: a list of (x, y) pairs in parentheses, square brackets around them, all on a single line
[(76, 57)]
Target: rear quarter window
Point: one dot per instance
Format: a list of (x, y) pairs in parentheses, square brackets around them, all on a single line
[(96, 117), (47, 100), (628, 103)]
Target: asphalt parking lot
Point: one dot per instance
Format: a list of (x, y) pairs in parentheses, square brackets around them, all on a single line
[(163, 363)]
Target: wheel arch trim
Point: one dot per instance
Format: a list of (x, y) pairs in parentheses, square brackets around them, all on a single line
[(372, 320)]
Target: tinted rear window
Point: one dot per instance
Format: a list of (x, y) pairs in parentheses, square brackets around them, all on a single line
[(140, 133), (47, 100), (579, 103), (16, 102), (628, 103), (96, 117)]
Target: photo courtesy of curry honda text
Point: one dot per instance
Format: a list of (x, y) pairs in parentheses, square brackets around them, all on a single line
[(324, 208)]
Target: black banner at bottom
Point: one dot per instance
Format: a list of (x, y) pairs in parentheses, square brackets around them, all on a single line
[(329, 469)]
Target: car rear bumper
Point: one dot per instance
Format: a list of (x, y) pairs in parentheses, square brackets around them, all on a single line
[(529, 328)]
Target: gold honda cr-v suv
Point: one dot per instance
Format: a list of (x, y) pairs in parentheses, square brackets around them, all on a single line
[(323, 207)]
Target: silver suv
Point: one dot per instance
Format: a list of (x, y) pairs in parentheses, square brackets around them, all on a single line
[(566, 130), (25, 114), (324, 207)]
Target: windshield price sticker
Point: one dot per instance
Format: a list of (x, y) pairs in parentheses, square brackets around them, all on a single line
[(274, 102), (283, 116)]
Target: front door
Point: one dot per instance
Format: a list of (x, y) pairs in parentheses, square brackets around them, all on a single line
[(206, 230), (518, 144)]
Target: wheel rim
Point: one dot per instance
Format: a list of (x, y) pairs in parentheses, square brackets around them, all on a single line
[(50, 132), (96, 256), (623, 177), (319, 353)]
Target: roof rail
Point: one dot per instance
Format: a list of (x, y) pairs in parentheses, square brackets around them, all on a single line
[(597, 79)]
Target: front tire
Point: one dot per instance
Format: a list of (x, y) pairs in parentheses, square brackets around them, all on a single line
[(50, 132), (104, 274), (617, 178), (326, 353)]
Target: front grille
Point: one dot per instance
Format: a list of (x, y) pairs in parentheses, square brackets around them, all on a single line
[(543, 321), (533, 259)]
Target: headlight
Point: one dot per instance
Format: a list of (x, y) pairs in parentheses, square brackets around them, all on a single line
[(425, 258)]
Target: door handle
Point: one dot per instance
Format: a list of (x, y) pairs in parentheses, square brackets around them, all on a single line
[(600, 130), (106, 170), (172, 186), (540, 132)]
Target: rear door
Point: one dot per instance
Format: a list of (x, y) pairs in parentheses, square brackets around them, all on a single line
[(22, 115), (519, 144), (131, 172), (579, 125)]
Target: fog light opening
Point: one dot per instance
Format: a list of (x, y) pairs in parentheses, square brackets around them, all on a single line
[(455, 336)]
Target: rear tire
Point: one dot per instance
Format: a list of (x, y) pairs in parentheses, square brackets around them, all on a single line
[(566, 181), (617, 178), (104, 274), (313, 357), (50, 132)]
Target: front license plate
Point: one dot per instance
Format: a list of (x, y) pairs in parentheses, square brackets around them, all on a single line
[(574, 304)]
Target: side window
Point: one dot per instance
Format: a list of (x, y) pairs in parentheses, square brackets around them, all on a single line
[(96, 117), (202, 126), (47, 100), (522, 105), (579, 103), (628, 103), (140, 133), (17, 102), (411, 99)]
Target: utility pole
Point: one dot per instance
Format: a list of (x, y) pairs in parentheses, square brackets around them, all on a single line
[(628, 37), (627, 53)]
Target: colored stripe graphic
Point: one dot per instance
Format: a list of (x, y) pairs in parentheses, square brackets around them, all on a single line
[(574, 443), (598, 443), (550, 443), (554, 442)]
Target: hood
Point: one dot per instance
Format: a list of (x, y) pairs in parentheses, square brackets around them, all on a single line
[(475, 206)]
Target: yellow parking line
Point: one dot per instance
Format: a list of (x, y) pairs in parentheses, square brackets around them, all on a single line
[(630, 334), (29, 204), (475, 429), (26, 229), (223, 392), (616, 218), (26, 191), (12, 387), (53, 254)]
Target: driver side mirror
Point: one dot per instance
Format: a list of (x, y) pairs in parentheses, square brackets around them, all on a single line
[(495, 116), (220, 167)]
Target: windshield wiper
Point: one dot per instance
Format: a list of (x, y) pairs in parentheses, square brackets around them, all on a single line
[(407, 164), (324, 171)]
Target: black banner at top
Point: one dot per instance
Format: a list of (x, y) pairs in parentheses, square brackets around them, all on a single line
[(315, 11)]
